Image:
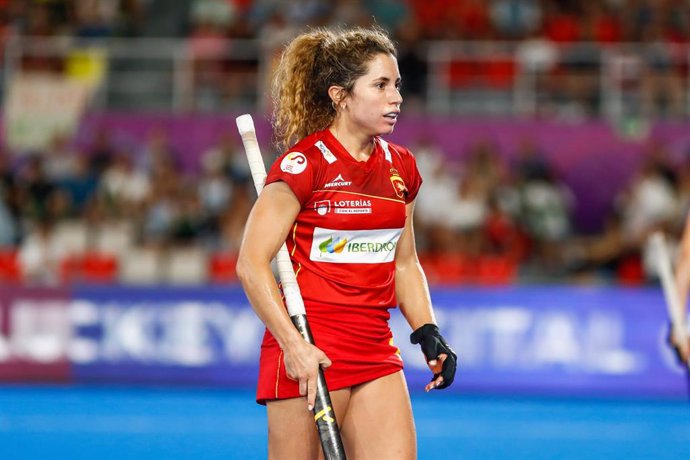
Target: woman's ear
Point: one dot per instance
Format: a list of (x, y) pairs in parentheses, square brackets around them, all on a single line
[(337, 95)]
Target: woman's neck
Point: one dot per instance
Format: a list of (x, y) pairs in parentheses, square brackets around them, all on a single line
[(358, 145)]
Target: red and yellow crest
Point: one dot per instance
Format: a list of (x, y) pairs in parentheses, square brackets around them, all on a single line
[(398, 183)]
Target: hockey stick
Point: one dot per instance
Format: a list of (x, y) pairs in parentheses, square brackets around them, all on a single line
[(324, 415), (673, 306)]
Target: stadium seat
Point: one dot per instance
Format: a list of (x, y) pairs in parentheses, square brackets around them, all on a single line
[(71, 269), (186, 266), (10, 270), (114, 237), (496, 270), (99, 267), (449, 268), (72, 236), (140, 265), (222, 267)]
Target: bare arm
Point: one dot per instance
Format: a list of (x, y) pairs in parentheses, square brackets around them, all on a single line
[(267, 227), (412, 292), (411, 288)]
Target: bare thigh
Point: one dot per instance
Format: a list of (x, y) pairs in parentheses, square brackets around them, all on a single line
[(291, 428), (378, 423)]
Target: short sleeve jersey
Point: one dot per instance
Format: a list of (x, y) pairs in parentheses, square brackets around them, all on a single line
[(344, 239)]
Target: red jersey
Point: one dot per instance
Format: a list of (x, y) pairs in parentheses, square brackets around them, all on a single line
[(344, 238), (342, 248)]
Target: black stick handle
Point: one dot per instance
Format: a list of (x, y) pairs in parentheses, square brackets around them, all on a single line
[(324, 415)]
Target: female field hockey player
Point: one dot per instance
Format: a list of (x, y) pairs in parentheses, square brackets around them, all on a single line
[(343, 199)]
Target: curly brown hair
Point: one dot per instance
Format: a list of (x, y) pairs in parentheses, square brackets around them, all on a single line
[(310, 64)]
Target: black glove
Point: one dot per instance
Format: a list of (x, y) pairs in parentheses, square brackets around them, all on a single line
[(433, 344)]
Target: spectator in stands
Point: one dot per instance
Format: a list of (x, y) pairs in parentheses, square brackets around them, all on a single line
[(597, 256), (466, 213), (159, 214), (130, 18), (123, 187), (189, 224), (648, 202), (662, 83), (40, 256), (215, 187), (440, 185), (100, 151), (209, 45), (9, 231), (485, 166), (80, 186), (546, 205), (94, 19), (157, 153), (413, 65), (235, 217), (8, 183), (60, 159), (227, 155), (515, 19), (218, 12), (215, 190), (295, 13), (390, 14), (350, 12), (34, 189), (501, 232), (39, 23), (9, 234)]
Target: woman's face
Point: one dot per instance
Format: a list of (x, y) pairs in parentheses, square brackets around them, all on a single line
[(374, 103)]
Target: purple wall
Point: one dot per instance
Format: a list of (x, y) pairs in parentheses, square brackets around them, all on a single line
[(594, 158)]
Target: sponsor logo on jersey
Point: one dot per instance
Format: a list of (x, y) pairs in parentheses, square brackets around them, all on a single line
[(339, 181), (352, 210), (352, 206), (327, 154), (294, 163), (354, 246), (322, 207), (333, 245), (398, 183)]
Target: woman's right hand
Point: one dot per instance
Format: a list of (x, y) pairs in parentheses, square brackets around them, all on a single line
[(302, 362)]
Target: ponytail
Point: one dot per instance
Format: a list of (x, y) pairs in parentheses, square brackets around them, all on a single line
[(312, 63)]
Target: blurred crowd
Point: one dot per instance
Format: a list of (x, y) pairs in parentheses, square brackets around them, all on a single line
[(515, 214), (561, 41), (502, 220), (603, 21), (483, 217), (113, 199)]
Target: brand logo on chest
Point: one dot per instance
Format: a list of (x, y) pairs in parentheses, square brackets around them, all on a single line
[(339, 181)]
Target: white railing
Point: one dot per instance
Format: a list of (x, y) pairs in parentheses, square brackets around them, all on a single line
[(530, 78)]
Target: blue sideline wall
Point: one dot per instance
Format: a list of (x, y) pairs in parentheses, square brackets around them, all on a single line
[(556, 340)]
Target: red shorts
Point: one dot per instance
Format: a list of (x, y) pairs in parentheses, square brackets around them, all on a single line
[(357, 340)]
